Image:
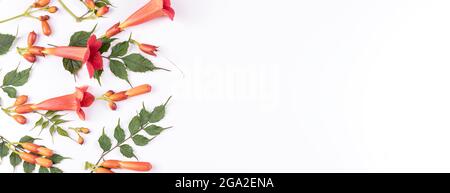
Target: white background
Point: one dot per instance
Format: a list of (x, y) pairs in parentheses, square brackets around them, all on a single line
[(270, 86)]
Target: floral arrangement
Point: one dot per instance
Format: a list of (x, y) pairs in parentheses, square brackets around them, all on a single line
[(85, 49)]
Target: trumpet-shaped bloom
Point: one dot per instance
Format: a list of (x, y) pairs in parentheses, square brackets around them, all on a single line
[(70, 102), (89, 55), (150, 11)]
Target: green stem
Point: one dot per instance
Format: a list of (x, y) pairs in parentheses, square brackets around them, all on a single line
[(69, 11), (12, 18)]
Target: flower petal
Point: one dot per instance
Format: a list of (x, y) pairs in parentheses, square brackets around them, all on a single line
[(88, 99)]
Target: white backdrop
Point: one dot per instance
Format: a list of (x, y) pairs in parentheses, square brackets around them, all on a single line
[(271, 86)]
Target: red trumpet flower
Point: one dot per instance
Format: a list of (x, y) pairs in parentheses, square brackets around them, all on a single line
[(70, 102), (89, 55), (152, 10)]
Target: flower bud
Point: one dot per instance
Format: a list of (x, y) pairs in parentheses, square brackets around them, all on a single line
[(112, 105), (20, 119), (29, 57), (120, 96), (109, 93), (28, 157), (136, 166), (32, 36), (80, 140), (114, 30), (103, 171), (44, 18), (30, 147), (20, 100), (145, 88), (148, 49), (90, 4), (84, 130), (52, 9), (45, 152), (111, 164), (44, 162), (41, 3), (23, 109), (36, 50), (102, 11), (46, 29)]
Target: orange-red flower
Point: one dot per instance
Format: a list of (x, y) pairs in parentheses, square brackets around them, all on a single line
[(102, 11), (71, 102), (149, 49), (89, 55), (152, 10)]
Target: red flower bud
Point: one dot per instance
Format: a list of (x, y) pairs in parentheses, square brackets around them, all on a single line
[(52, 9), (103, 171), (45, 152), (109, 93), (20, 119), (90, 4), (102, 11), (28, 157), (44, 18), (148, 49), (32, 36), (29, 57), (30, 147), (114, 30), (120, 96), (146, 88), (23, 109), (136, 166), (44, 162), (46, 29), (80, 140), (41, 3), (112, 105), (20, 100), (111, 164)]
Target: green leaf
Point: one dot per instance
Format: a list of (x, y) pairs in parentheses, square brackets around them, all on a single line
[(4, 150), (27, 139), (6, 42), (98, 75), (120, 49), (119, 133), (154, 130), (72, 66), (56, 158), (158, 114), (79, 39), (106, 44), (14, 159), (138, 63), (140, 140), (16, 78), (62, 132), (134, 125), (50, 113), (118, 69), (105, 142), (145, 115), (43, 170), (52, 131), (28, 168), (127, 151), (45, 124), (39, 122), (11, 91), (55, 170)]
